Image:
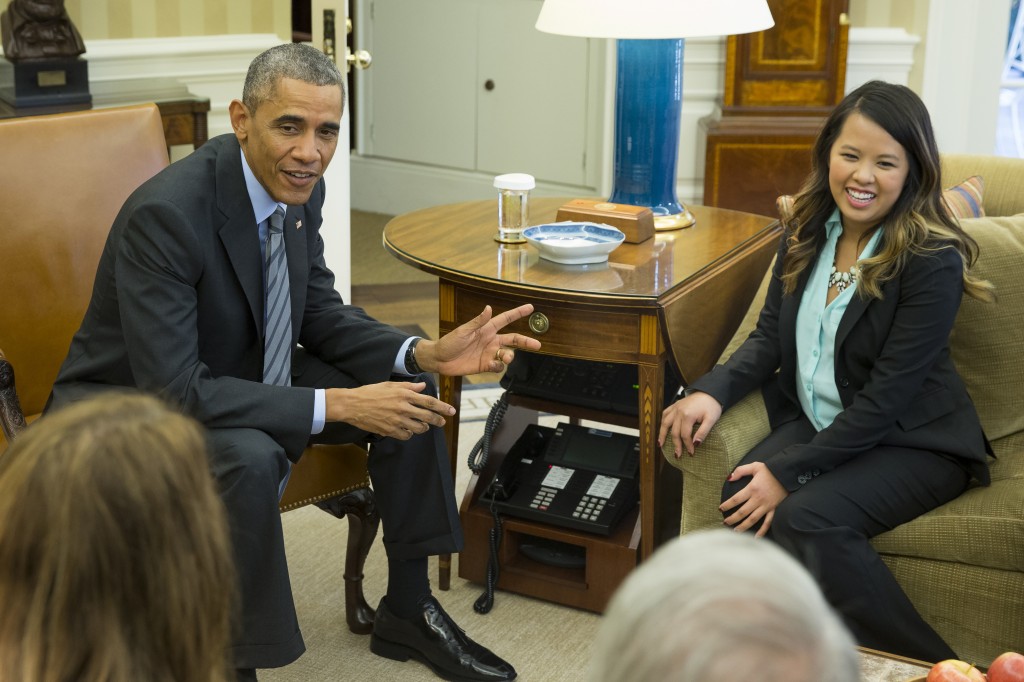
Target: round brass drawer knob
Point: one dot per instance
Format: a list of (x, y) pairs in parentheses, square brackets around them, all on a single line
[(539, 323)]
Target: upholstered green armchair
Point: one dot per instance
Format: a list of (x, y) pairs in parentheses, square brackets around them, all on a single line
[(962, 564)]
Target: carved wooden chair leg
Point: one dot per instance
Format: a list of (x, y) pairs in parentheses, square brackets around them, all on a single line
[(363, 521)]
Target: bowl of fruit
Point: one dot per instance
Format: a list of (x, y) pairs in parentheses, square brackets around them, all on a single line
[(1007, 667)]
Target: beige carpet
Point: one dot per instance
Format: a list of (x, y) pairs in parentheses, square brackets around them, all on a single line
[(545, 642), (371, 264)]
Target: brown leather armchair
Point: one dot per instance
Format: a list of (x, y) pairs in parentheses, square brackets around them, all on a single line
[(63, 179)]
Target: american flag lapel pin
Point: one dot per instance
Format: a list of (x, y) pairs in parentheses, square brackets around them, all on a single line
[(298, 224)]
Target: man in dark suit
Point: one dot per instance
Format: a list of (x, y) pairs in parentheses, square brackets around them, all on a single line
[(183, 306)]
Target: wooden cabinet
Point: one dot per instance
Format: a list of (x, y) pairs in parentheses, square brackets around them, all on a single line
[(780, 84), (471, 85)]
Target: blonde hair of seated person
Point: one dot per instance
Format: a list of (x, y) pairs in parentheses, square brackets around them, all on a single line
[(116, 563), (721, 606)]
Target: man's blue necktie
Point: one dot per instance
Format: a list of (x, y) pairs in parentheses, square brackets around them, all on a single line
[(277, 356)]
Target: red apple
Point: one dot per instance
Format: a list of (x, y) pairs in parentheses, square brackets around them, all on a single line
[(1008, 667), (952, 670)]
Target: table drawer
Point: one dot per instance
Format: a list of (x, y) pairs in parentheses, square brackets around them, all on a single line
[(574, 330)]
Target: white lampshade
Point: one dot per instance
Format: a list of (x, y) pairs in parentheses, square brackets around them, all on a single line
[(653, 18)]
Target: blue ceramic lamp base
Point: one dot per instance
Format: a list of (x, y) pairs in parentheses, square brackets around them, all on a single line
[(648, 106)]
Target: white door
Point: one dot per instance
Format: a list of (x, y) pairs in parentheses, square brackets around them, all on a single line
[(337, 225)]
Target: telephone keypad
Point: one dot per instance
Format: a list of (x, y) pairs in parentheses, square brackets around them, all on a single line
[(589, 508), (543, 489), (542, 500)]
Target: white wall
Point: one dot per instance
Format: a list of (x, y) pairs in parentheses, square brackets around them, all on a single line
[(963, 60)]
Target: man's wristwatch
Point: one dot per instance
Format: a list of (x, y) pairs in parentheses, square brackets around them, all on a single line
[(411, 366)]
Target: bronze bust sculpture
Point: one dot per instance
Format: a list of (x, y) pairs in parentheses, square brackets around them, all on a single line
[(39, 29)]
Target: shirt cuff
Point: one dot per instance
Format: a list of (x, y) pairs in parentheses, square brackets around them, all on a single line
[(319, 410), (399, 367)]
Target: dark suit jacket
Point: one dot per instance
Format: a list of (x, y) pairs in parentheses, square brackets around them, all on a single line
[(896, 380), (177, 307)]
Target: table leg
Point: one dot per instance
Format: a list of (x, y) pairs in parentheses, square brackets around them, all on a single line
[(451, 393), (651, 390), (450, 389)]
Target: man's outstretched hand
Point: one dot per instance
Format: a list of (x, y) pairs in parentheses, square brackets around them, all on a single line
[(476, 346), (400, 409)]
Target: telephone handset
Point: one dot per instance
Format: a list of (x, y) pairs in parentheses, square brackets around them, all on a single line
[(529, 445)]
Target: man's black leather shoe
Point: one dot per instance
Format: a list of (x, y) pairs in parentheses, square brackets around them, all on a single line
[(433, 638)]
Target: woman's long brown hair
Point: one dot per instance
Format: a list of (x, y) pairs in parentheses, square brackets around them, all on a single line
[(116, 563)]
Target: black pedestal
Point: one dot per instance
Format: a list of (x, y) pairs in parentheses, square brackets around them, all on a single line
[(45, 83)]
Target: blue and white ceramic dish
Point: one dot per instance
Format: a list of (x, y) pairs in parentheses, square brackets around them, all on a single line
[(574, 243)]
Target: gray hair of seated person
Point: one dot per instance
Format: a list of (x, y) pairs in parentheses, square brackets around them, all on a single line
[(720, 606), (297, 61)]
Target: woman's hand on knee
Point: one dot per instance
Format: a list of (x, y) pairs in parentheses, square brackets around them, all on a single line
[(697, 410), (757, 500)]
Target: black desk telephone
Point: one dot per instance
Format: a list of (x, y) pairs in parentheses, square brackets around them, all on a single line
[(572, 476)]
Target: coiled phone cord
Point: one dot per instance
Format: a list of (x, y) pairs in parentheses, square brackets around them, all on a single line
[(476, 464), (483, 446), (485, 602)]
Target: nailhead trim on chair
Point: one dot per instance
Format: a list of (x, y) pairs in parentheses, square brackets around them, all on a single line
[(321, 498)]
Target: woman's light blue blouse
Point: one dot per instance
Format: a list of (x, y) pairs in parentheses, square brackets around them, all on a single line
[(816, 326)]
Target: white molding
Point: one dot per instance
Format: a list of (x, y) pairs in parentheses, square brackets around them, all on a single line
[(188, 54), (147, 68), (879, 53)]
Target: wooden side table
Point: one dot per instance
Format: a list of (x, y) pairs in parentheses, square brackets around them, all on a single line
[(672, 301), (184, 118)]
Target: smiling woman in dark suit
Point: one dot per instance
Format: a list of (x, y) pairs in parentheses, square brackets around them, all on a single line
[(871, 424)]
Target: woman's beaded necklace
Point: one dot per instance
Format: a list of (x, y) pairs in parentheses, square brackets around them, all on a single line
[(841, 280)]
